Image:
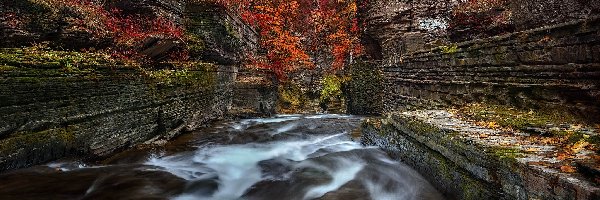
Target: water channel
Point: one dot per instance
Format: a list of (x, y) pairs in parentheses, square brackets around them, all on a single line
[(286, 157)]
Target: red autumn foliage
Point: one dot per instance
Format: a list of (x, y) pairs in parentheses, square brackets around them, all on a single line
[(126, 30), (295, 33)]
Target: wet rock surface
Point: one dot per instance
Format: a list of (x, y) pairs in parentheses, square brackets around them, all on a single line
[(467, 161)]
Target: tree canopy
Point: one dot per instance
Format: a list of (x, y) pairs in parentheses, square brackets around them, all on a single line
[(297, 34)]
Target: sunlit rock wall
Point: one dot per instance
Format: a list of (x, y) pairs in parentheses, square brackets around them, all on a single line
[(459, 164)]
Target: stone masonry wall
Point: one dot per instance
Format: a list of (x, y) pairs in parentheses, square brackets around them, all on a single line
[(44, 117), (551, 68)]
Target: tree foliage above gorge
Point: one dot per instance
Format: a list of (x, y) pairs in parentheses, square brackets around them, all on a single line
[(101, 25), (294, 34)]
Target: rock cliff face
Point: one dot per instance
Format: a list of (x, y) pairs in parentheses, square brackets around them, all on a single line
[(549, 69), (396, 27), (36, 21), (224, 37), (548, 64), (45, 117), (55, 109), (454, 157), (528, 14)]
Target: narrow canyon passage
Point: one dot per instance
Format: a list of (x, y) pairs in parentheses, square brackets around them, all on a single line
[(285, 157)]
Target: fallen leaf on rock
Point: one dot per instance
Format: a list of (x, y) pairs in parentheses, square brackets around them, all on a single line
[(532, 150), (563, 156), (538, 163), (567, 169), (493, 125), (577, 147)]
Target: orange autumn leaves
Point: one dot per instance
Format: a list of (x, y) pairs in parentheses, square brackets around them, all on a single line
[(284, 49), (296, 34)]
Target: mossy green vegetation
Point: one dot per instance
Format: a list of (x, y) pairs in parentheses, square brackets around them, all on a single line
[(332, 87), (190, 73), (42, 57), (195, 44), (365, 89), (502, 116), (565, 131), (291, 98), (449, 49), (40, 62), (64, 136), (507, 153)]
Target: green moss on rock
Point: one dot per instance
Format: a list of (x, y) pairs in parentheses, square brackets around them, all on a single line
[(365, 89), (291, 98), (25, 148)]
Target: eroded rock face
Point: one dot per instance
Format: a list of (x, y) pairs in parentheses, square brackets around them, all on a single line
[(530, 14), (49, 117), (548, 69), (403, 26), (212, 33), (224, 37), (392, 28), (169, 9), (466, 161)]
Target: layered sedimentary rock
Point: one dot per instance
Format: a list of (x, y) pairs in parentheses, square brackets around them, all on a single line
[(396, 27), (225, 38), (53, 110), (554, 68), (549, 63), (39, 21), (46, 116), (466, 161), (528, 14)]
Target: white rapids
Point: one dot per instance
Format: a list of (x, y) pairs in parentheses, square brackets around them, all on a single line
[(296, 165)]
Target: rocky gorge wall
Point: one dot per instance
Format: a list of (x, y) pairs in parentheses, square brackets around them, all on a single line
[(543, 57), (395, 27), (48, 116), (551, 68), (255, 94), (466, 161), (56, 104)]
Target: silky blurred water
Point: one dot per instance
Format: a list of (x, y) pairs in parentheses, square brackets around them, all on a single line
[(284, 157)]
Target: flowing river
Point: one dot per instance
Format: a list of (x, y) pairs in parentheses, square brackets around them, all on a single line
[(286, 157)]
